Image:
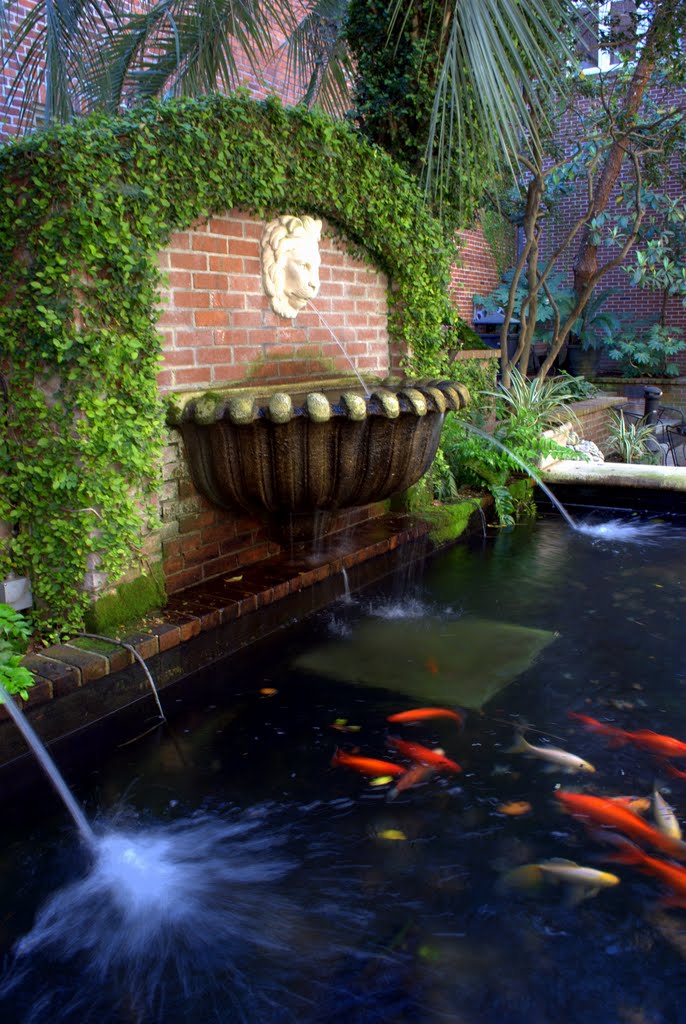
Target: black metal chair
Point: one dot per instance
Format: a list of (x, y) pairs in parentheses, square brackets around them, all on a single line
[(676, 438)]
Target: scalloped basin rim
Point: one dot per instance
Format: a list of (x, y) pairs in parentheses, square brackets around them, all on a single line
[(320, 399), (297, 388), (322, 448)]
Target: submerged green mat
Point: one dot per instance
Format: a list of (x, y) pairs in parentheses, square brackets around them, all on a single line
[(464, 662)]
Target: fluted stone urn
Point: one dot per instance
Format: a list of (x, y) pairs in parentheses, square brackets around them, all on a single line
[(293, 456)]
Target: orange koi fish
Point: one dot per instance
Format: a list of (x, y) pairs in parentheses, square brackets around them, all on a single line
[(673, 876), (637, 804), (416, 752), (414, 776), (674, 772), (593, 725), (422, 714), (432, 665), (645, 739), (366, 765), (655, 743), (610, 814)]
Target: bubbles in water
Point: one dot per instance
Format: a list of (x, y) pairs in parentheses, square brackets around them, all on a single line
[(338, 627)]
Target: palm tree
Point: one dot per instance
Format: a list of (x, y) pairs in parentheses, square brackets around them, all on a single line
[(76, 56)]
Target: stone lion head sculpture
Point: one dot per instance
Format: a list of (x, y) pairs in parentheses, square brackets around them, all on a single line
[(290, 262)]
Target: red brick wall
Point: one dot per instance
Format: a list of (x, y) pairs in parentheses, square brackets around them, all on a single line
[(218, 324), (9, 111), (475, 271), (594, 418)]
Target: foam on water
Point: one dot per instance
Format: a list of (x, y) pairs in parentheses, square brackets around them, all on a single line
[(198, 878)]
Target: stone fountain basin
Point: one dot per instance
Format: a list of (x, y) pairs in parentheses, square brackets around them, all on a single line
[(316, 447)]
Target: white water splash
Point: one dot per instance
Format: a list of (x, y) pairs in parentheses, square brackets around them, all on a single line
[(407, 608), (203, 912), (630, 532)]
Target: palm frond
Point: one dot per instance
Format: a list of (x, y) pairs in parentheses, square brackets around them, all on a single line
[(502, 58), (182, 48), (318, 68), (52, 47)]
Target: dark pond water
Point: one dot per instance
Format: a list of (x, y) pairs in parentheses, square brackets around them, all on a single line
[(239, 876)]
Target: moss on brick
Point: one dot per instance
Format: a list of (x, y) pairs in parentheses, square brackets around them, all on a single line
[(128, 603), (450, 521)]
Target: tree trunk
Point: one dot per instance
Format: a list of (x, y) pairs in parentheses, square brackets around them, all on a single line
[(586, 262)]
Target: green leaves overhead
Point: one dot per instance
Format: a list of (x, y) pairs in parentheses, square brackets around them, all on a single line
[(495, 49)]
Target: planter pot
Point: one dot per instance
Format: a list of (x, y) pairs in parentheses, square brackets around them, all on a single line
[(581, 362)]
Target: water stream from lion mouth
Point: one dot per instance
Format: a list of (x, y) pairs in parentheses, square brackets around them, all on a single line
[(239, 876)]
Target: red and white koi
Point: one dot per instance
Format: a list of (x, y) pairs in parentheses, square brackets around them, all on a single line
[(435, 759)]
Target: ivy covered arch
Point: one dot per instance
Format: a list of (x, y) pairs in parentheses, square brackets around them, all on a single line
[(85, 210)]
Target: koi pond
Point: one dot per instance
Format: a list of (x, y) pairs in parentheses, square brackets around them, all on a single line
[(249, 866)]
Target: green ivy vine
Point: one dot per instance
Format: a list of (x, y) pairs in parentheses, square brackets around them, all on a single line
[(84, 212)]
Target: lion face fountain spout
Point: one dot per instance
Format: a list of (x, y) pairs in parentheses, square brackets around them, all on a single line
[(290, 263), (319, 448)]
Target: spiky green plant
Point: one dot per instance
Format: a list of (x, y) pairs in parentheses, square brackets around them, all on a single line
[(541, 403), (632, 442)]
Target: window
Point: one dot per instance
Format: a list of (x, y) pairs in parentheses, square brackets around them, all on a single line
[(614, 36)]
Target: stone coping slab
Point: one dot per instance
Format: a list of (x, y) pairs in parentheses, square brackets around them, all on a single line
[(616, 474)]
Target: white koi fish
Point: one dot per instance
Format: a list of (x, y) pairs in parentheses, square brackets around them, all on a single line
[(583, 882), (557, 759), (664, 816)]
